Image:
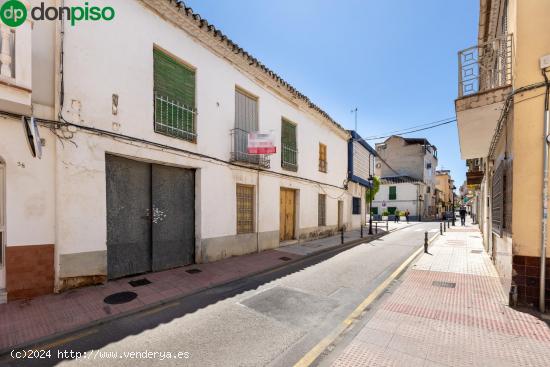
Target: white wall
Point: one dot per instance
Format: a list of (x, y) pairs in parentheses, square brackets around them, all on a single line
[(406, 198), (102, 58), (29, 188)]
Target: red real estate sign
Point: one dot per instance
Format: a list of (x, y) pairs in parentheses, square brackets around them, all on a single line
[(261, 143)]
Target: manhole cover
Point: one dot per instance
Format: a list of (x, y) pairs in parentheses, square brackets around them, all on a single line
[(285, 258), (476, 251), (139, 282), (120, 297), (436, 283), (193, 271)]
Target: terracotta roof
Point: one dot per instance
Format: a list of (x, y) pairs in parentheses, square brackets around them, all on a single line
[(216, 34), (398, 179)]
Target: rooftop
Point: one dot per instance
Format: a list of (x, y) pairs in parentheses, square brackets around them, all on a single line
[(398, 179)]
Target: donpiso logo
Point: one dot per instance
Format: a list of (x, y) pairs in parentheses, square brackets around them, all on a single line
[(14, 13)]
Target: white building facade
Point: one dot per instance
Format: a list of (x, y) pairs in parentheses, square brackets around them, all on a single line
[(144, 170)]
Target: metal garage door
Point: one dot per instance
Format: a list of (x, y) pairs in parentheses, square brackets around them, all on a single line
[(128, 216), (150, 217), (173, 217)]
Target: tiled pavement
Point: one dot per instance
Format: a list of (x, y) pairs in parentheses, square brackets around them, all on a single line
[(22, 322), (465, 323)]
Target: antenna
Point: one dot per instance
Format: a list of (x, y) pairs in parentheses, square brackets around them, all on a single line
[(352, 111)]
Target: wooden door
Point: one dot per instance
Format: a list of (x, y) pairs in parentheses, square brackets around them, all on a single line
[(287, 214)]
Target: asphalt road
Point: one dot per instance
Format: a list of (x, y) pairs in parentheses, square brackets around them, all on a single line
[(270, 319)]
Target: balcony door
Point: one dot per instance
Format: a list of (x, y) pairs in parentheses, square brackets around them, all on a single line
[(246, 121)]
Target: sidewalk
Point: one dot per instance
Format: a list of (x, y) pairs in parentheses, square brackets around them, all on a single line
[(25, 322), (450, 310)]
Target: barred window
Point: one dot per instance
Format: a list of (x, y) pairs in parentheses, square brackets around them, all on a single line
[(245, 209), (497, 199), (356, 207), (174, 97), (393, 193), (289, 146), (322, 210)]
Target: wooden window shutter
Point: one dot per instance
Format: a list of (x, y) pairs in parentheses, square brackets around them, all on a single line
[(393, 193), (173, 80)]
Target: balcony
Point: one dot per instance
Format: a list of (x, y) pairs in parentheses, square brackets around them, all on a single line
[(484, 83), (15, 69), (289, 158), (239, 150)]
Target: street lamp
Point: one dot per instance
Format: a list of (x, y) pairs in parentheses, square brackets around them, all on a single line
[(371, 179), (454, 215)]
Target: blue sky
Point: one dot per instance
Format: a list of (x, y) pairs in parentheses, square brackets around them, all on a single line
[(396, 61)]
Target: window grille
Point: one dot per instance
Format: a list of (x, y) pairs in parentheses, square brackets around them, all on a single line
[(289, 149), (245, 209), (393, 193), (322, 210), (174, 97), (497, 199)]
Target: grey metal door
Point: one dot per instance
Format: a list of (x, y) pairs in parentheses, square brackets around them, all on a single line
[(128, 216), (173, 218)]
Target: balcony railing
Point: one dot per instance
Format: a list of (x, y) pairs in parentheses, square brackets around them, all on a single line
[(485, 66), (174, 119), (239, 150), (289, 158), (7, 52)]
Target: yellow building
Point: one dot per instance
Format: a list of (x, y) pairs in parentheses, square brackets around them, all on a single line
[(501, 123), (444, 183)]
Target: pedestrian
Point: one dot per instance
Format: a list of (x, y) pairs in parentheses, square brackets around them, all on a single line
[(462, 216), (396, 215), (407, 213)]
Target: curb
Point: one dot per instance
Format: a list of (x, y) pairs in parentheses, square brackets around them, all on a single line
[(44, 342), (314, 353)]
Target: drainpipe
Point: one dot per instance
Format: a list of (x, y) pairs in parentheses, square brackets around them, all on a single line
[(258, 212), (542, 305)]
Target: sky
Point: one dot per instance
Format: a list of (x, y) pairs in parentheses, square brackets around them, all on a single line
[(395, 61)]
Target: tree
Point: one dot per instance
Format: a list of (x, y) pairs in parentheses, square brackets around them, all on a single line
[(376, 186), (371, 193)]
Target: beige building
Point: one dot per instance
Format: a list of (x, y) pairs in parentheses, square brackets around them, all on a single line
[(444, 184), (501, 123), (415, 159)]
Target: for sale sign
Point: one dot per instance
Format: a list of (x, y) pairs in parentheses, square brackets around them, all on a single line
[(261, 143)]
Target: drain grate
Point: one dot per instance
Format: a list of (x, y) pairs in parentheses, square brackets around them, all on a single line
[(193, 271), (139, 282), (285, 258), (476, 251), (120, 297), (437, 283)]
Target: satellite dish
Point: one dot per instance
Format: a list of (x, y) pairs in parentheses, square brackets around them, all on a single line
[(33, 137)]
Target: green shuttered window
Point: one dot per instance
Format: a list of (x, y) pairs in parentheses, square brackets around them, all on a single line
[(393, 193), (289, 148), (174, 87)]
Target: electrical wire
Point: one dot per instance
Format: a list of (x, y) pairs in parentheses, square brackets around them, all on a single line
[(404, 130), (412, 131), (117, 136)]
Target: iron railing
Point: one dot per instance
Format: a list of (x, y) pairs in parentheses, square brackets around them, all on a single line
[(485, 66), (239, 150), (289, 158), (174, 118), (7, 51)]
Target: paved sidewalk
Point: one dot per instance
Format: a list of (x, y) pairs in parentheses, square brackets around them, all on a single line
[(450, 310), (24, 322)]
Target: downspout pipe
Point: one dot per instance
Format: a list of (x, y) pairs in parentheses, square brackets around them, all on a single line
[(544, 236)]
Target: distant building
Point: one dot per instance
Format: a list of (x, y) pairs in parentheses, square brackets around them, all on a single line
[(400, 193), (412, 161), (444, 185)]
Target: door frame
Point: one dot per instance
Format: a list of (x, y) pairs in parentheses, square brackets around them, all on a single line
[(295, 210)]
